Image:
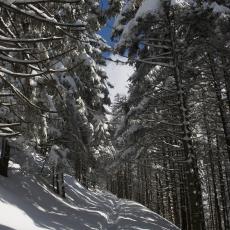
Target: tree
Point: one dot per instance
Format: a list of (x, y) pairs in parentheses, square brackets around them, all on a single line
[(168, 44), (51, 63)]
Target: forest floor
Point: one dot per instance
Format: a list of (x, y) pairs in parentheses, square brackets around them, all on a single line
[(26, 203)]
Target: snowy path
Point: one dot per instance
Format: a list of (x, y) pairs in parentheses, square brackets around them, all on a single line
[(26, 204)]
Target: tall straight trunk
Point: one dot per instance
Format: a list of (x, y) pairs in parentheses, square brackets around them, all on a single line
[(57, 183), (138, 189), (222, 187), (223, 115), (174, 183), (227, 80), (192, 173), (62, 185), (210, 205), (143, 198), (211, 161), (120, 183), (161, 196), (220, 102), (158, 201), (130, 188), (4, 159), (108, 183), (53, 178), (168, 198), (184, 215), (146, 185), (151, 189), (126, 190), (175, 200)]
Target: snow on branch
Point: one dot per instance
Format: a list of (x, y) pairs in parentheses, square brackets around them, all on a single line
[(53, 21), (41, 1), (27, 40)]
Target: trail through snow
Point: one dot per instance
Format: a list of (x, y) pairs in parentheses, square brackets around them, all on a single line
[(26, 204)]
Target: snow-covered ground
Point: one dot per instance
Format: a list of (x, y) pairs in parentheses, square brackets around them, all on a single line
[(26, 204)]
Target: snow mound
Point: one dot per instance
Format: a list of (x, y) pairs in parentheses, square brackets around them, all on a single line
[(27, 204)]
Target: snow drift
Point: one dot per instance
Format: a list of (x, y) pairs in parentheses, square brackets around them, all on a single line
[(28, 204)]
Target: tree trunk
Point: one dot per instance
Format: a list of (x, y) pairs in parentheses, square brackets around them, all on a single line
[(165, 165), (4, 158), (175, 200), (62, 185), (211, 161), (191, 168), (222, 187), (210, 206), (227, 80), (184, 223), (223, 114)]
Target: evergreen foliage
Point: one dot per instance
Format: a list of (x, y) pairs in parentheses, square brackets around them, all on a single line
[(173, 136)]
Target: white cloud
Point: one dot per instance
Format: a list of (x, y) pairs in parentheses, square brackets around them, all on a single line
[(118, 75)]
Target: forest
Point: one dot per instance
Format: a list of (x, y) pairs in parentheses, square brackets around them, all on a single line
[(165, 144)]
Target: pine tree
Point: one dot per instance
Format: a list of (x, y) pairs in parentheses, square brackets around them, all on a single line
[(52, 63), (167, 42)]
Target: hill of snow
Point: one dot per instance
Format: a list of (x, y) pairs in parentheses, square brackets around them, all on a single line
[(26, 204)]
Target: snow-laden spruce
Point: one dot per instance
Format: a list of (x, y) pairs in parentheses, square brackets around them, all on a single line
[(170, 150), (53, 71)]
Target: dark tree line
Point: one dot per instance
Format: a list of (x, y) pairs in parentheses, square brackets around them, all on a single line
[(172, 132)]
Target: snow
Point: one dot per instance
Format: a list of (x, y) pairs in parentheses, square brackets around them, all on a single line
[(15, 1), (140, 107), (57, 154), (148, 7), (26, 203), (219, 8), (183, 2), (128, 7), (7, 1)]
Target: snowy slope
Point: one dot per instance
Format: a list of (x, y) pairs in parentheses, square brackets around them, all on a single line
[(26, 204)]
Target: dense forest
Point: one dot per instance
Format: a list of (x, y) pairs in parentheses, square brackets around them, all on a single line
[(166, 144)]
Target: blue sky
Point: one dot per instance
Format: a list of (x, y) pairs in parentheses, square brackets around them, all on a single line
[(118, 74), (104, 3), (106, 31)]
